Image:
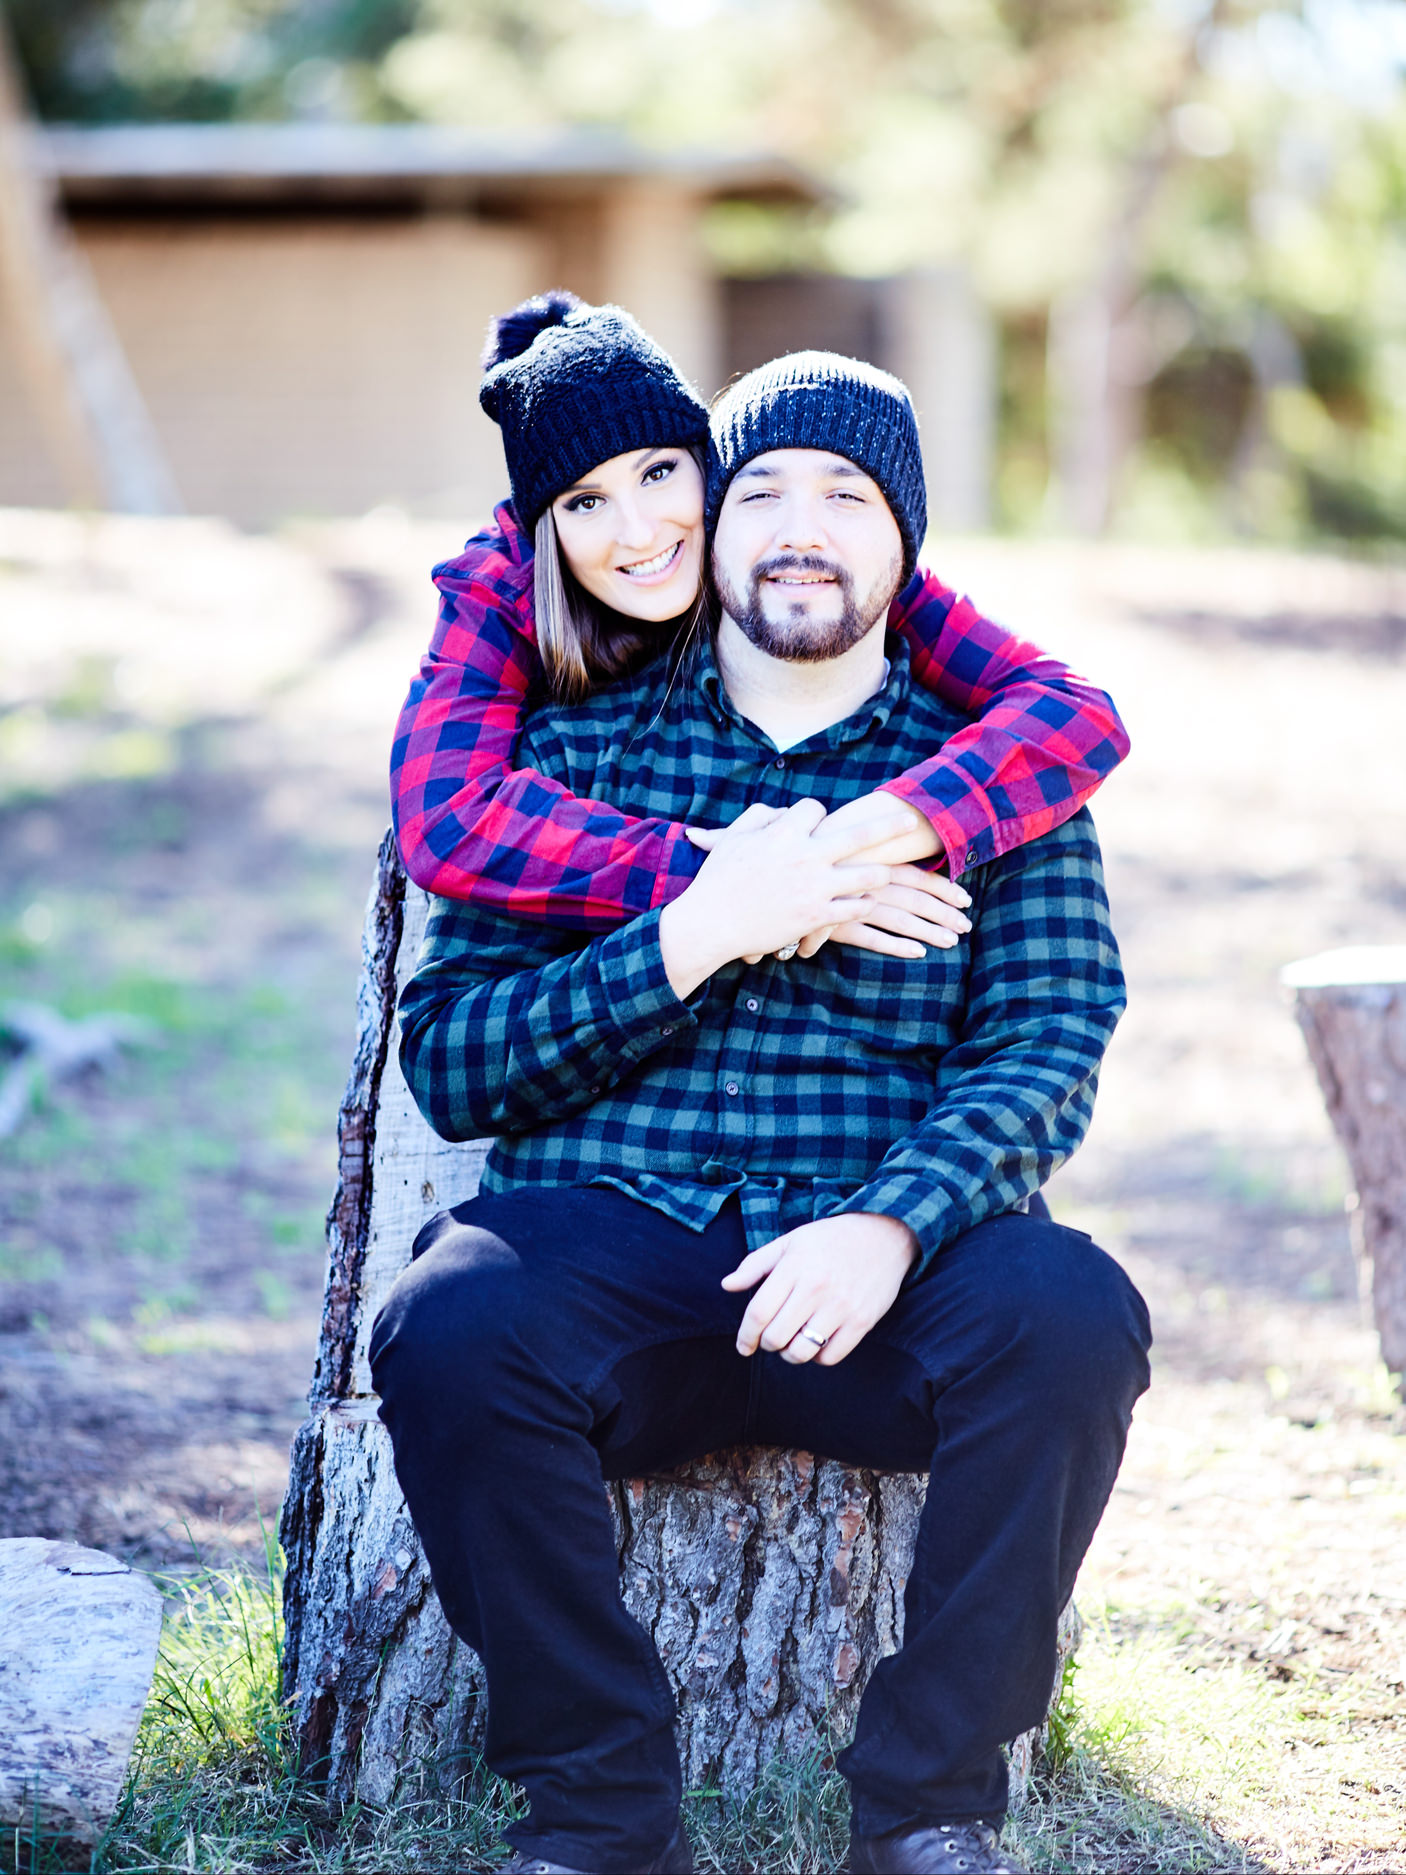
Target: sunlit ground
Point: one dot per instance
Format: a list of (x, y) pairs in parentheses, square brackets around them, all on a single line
[(192, 738)]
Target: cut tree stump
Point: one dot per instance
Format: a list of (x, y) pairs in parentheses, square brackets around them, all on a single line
[(1351, 1006), (78, 1638), (771, 1581)]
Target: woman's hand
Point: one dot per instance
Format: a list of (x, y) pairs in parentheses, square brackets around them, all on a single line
[(770, 878), (914, 910)]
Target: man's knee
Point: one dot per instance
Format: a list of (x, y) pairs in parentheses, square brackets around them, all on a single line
[(1089, 1328), (1066, 1309), (451, 1315)]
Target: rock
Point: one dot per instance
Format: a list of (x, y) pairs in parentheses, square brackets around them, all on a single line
[(78, 1639)]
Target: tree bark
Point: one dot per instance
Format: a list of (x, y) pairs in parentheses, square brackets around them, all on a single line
[(1351, 1006), (771, 1581)]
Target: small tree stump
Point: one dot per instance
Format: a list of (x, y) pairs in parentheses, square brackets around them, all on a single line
[(770, 1581), (78, 1638), (1351, 1006)]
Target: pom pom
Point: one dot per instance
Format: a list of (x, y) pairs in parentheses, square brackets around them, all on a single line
[(512, 332)]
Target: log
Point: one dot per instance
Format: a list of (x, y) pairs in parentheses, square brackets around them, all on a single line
[(771, 1581), (80, 1631), (1351, 1006)]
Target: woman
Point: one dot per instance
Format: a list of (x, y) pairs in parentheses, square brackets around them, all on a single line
[(597, 562)]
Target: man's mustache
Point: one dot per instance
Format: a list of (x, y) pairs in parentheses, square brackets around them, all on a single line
[(799, 563)]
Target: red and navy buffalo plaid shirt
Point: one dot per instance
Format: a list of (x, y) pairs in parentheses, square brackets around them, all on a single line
[(472, 826)]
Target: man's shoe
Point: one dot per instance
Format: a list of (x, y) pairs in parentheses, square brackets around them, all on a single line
[(935, 1849), (677, 1859)]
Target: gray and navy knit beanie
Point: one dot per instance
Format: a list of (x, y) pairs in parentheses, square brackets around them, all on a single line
[(570, 386), (819, 400)]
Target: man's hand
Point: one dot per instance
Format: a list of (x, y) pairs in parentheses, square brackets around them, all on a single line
[(916, 909), (769, 879), (823, 1286)]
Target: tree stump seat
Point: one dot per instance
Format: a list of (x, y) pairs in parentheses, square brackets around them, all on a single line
[(1351, 1006), (771, 1581)]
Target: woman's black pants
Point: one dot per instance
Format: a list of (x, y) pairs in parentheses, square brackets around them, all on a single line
[(551, 1338)]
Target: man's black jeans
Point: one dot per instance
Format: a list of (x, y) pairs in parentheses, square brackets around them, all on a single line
[(550, 1338)]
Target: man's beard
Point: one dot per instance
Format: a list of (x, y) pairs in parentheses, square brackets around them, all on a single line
[(799, 639)]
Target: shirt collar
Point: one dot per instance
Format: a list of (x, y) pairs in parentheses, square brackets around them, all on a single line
[(872, 714)]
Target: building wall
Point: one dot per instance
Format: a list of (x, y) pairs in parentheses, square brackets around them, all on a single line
[(312, 366), (325, 365)]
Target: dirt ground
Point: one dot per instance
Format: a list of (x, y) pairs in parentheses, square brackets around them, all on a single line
[(192, 736)]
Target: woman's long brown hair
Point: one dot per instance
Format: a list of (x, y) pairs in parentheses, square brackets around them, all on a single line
[(583, 644)]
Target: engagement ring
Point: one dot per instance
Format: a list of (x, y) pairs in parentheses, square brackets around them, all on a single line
[(788, 951)]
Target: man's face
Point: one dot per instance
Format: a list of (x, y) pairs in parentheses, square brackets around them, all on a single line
[(807, 554)]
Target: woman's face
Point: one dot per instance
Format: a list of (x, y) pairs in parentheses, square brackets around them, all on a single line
[(632, 532)]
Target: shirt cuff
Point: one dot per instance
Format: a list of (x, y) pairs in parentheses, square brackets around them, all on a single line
[(640, 1003), (969, 838), (682, 860), (916, 1201)]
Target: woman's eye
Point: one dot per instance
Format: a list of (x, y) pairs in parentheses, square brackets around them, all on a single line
[(657, 471), (583, 504)]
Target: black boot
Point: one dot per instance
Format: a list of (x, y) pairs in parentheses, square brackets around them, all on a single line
[(934, 1849)]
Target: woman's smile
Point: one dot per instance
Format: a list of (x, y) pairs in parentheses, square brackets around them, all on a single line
[(660, 567)]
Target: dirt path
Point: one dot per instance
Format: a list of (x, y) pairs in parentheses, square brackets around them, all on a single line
[(192, 730)]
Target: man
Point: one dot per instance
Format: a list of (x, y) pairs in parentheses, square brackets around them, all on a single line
[(768, 1202)]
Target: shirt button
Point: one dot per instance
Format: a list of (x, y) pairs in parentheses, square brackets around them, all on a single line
[(780, 761), (731, 1087), (668, 1029), (753, 1004)]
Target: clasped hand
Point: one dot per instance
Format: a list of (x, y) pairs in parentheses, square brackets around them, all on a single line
[(777, 875)]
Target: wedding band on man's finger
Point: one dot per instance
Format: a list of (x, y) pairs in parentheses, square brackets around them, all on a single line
[(805, 1334)]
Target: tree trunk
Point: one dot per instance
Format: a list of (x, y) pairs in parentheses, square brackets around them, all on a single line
[(770, 1581), (1351, 1006)]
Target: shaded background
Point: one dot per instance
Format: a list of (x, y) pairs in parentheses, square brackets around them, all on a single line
[(1143, 265), (1142, 259)]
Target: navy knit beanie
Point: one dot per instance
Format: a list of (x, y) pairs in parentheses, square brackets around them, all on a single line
[(819, 400), (570, 386)]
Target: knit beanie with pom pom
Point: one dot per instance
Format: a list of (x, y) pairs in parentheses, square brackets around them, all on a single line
[(570, 386)]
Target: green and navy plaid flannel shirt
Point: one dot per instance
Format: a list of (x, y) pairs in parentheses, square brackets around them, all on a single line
[(940, 1092)]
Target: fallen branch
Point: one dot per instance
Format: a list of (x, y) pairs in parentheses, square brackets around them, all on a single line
[(52, 1048)]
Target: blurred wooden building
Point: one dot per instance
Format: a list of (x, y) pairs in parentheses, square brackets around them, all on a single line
[(303, 305)]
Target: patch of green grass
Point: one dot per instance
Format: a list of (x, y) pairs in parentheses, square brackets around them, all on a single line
[(215, 1788)]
